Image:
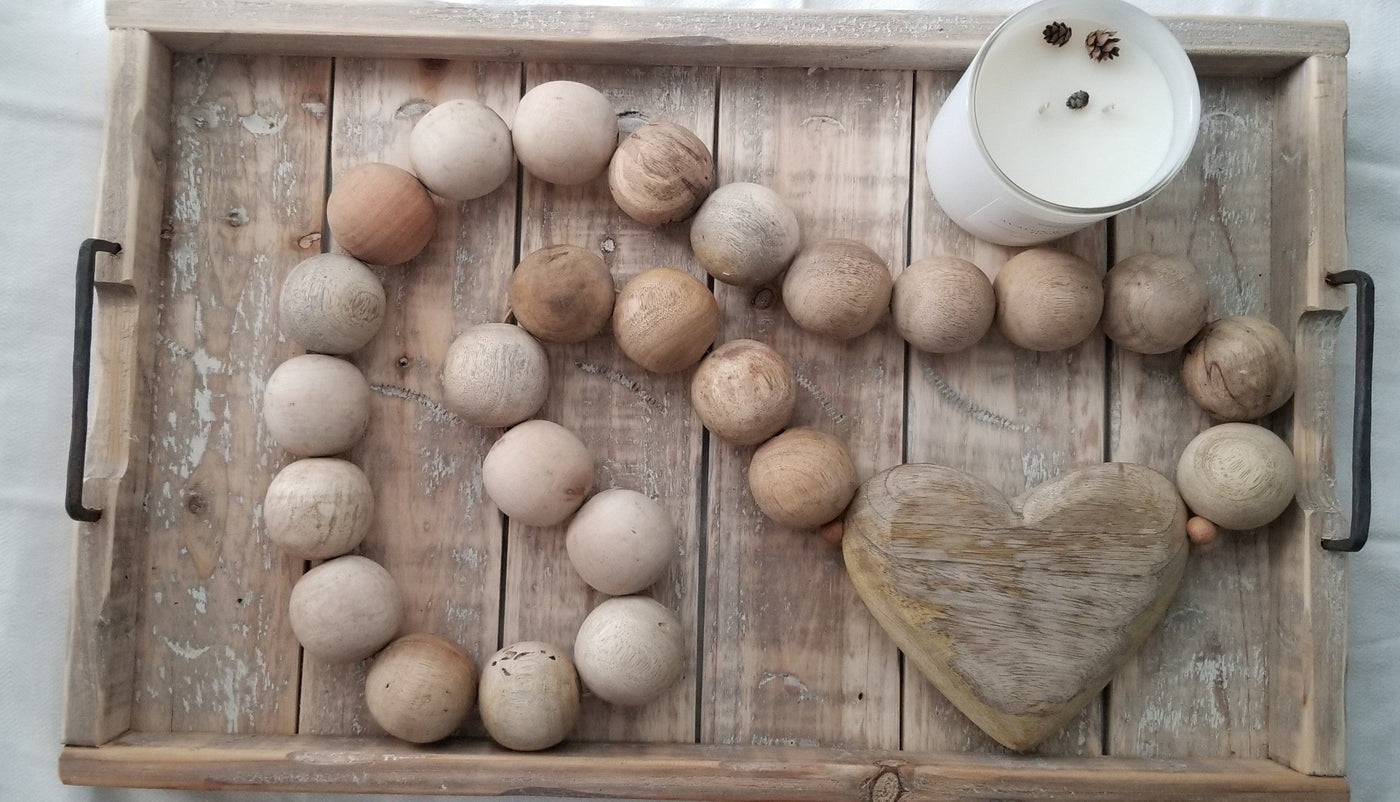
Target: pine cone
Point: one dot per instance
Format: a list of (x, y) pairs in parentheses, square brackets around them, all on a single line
[(1078, 100), (1057, 33), (1102, 45)]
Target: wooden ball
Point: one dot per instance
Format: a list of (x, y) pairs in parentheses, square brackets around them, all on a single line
[(1200, 531), (621, 542), (564, 132), (381, 214), (421, 688), (744, 234), (1153, 304), (562, 294), (538, 473), (316, 405), (837, 288), (660, 174), (495, 374), (345, 610), (802, 478), (331, 304), (462, 150), (629, 650), (1238, 368), (1047, 299), (665, 320), (942, 304), (1238, 475), (529, 696), (744, 392), (318, 508)]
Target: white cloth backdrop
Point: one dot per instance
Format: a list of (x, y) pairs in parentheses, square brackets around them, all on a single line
[(52, 84)]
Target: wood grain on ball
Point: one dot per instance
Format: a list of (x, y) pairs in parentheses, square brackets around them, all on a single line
[(462, 150), (802, 478), (837, 288), (1153, 304), (564, 132), (495, 374), (1239, 368), (1047, 300), (318, 508), (745, 234), (381, 214), (621, 542), (629, 650), (421, 688), (345, 610), (538, 473), (942, 304), (660, 174), (1237, 475), (528, 696), (744, 392), (316, 405), (562, 294), (665, 320), (331, 303)]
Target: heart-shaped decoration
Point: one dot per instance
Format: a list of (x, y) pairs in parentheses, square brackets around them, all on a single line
[(1019, 611)]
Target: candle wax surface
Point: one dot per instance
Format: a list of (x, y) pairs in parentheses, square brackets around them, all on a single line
[(1104, 154)]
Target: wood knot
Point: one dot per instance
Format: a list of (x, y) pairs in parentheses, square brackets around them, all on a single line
[(886, 786), (764, 298), (196, 504), (308, 240)]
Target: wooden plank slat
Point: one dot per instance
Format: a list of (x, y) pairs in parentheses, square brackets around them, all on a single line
[(433, 528), (245, 184), (1307, 624), (638, 426), (665, 771), (646, 36), (791, 654), (102, 619), (1196, 687), (1013, 417)]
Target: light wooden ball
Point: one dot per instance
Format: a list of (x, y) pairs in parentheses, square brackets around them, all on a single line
[(660, 174), (495, 374), (421, 688), (1153, 304), (538, 473), (332, 304), (381, 214), (564, 132), (461, 150), (745, 234), (621, 542), (942, 304), (802, 478), (1237, 475), (562, 294), (1201, 531), (744, 392), (837, 288), (1047, 300), (316, 405), (665, 320), (1239, 368), (528, 696), (345, 610), (318, 508), (629, 650)]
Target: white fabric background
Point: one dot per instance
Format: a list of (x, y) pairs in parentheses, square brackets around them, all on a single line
[(52, 84)]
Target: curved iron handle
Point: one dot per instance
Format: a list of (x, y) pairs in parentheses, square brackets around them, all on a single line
[(82, 367), (1361, 413)]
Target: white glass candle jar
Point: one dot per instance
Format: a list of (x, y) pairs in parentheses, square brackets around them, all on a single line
[(1014, 161)]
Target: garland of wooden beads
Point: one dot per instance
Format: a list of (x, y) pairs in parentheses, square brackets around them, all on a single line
[(630, 649)]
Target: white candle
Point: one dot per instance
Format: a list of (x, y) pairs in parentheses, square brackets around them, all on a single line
[(1012, 162)]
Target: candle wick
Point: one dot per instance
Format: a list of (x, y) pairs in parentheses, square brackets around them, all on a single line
[(1109, 107)]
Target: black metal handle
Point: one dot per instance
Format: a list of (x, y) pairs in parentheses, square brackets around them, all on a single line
[(1361, 414), (82, 366)]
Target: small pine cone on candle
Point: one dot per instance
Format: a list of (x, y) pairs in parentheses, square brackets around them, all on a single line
[(1057, 33), (1102, 45)]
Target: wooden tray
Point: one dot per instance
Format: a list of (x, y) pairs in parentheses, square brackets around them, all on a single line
[(228, 121)]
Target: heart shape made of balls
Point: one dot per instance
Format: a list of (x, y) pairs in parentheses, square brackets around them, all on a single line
[(630, 648)]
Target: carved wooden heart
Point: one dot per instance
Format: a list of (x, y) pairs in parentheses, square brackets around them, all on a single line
[(1018, 611)]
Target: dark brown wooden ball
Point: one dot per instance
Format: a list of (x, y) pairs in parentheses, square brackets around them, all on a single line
[(661, 174), (562, 294), (381, 214)]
